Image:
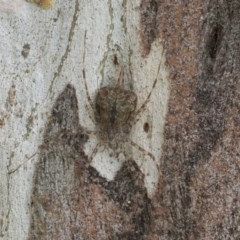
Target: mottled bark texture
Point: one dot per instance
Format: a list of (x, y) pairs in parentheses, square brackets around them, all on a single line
[(70, 200), (198, 196)]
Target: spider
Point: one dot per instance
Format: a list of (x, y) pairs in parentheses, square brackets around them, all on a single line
[(114, 113)]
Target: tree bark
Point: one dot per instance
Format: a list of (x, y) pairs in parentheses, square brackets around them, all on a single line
[(175, 175)]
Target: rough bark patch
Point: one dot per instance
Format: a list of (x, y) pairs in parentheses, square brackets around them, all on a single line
[(200, 163), (70, 200)]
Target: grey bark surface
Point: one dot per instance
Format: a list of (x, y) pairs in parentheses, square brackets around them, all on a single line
[(181, 178)]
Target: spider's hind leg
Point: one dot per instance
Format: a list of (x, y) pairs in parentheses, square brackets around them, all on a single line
[(143, 151), (94, 152), (90, 101), (144, 104), (149, 167)]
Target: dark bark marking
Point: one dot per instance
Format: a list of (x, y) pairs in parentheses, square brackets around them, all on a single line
[(149, 24)]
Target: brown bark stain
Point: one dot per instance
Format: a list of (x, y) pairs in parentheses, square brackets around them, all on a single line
[(200, 162), (70, 200), (216, 186)]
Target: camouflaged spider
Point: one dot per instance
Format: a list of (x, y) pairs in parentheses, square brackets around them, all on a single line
[(115, 114)]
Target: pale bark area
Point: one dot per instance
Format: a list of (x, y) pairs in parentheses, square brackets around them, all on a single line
[(41, 51)]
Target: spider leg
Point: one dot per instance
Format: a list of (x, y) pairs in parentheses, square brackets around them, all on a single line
[(90, 113), (84, 76), (144, 104), (86, 89), (94, 152), (21, 164), (120, 82), (146, 153), (143, 151)]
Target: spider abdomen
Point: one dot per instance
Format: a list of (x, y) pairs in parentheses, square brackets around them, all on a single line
[(114, 110)]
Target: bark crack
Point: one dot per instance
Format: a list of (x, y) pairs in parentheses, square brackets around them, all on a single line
[(70, 37)]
